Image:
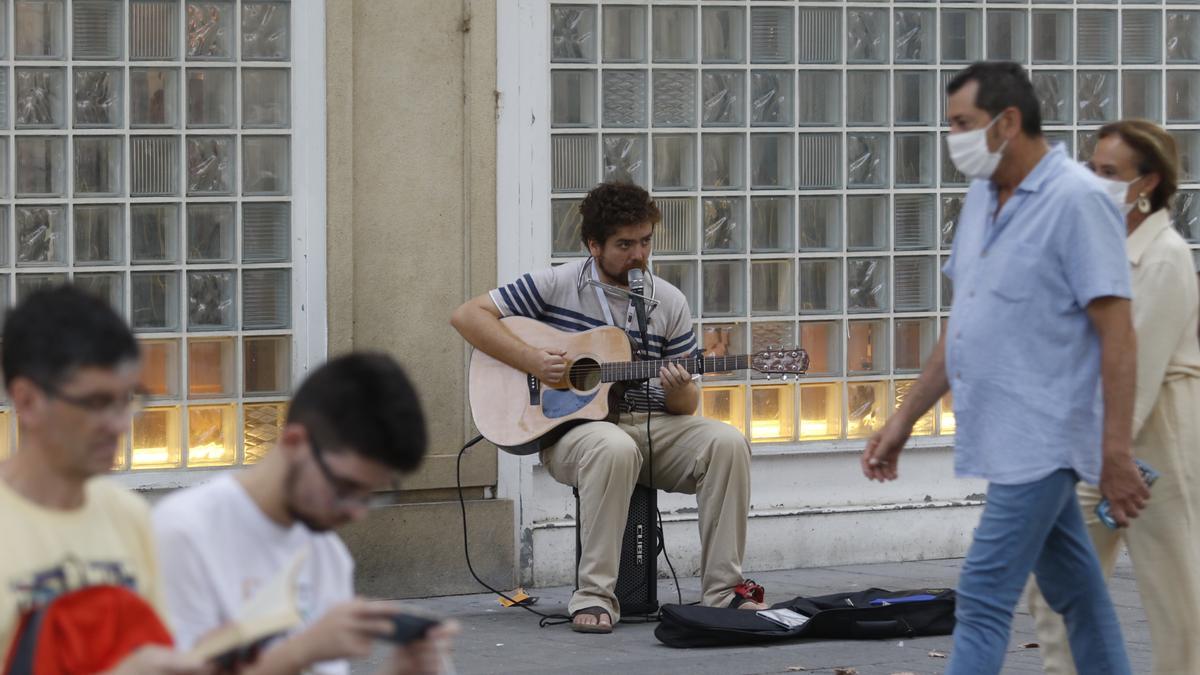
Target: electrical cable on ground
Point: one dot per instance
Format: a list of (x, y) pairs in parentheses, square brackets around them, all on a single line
[(546, 619)]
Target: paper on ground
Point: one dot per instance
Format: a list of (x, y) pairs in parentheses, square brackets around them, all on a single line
[(784, 617)]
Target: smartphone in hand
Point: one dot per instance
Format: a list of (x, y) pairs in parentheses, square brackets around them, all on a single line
[(1149, 475), (408, 627)]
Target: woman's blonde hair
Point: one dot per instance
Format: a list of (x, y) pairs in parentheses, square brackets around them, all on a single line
[(1156, 153)]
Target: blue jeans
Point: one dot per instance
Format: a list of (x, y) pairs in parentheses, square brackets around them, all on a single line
[(1034, 527)]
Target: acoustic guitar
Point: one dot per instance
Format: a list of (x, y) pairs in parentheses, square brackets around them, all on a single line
[(522, 415)]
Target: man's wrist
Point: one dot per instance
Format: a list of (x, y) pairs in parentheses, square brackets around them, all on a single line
[(529, 359), (292, 655), (1117, 453), (682, 400)]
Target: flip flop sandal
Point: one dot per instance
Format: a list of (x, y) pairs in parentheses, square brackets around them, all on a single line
[(747, 591), (592, 628)]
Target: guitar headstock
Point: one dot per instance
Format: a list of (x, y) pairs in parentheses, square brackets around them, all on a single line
[(791, 362)]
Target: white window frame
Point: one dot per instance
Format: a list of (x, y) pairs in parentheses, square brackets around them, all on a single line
[(310, 330), (523, 225)]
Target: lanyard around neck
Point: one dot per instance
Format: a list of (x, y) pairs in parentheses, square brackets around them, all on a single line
[(630, 314)]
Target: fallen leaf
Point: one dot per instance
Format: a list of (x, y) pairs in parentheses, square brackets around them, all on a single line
[(1031, 645), (937, 655), (845, 671)]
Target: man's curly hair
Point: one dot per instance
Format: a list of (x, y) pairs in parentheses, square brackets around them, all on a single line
[(612, 205)]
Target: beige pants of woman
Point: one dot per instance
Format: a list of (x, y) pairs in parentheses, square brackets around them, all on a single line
[(1164, 541)]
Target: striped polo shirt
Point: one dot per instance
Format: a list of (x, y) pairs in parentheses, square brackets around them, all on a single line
[(561, 297)]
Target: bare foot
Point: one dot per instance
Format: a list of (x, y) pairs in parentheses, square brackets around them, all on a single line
[(591, 620)]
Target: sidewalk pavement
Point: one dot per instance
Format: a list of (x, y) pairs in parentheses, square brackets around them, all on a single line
[(499, 640)]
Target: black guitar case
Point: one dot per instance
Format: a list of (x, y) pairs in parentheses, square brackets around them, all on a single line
[(845, 616)]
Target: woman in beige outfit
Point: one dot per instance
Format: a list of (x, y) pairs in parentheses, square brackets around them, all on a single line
[(1138, 161)]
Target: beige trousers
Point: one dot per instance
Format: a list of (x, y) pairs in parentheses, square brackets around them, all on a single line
[(1164, 542), (693, 455)]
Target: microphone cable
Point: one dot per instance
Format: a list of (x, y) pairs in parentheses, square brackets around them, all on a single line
[(662, 535), (639, 304)]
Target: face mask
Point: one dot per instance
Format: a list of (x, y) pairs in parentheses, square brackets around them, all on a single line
[(970, 155), (1117, 190)]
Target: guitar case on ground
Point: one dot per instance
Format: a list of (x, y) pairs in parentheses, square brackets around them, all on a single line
[(862, 615)]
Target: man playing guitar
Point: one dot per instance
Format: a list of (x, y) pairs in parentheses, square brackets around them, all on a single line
[(603, 460)]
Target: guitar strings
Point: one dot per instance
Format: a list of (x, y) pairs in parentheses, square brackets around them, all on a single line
[(592, 367), (651, 367)]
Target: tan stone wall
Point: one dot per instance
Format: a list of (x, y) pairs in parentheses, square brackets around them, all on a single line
[(410, 89), (412, 174)]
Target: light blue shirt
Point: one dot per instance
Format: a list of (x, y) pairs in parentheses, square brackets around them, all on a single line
[(1022, 356)]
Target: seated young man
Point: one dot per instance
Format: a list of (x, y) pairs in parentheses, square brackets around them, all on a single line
[(353, 424), (604, 460), (74, 542)]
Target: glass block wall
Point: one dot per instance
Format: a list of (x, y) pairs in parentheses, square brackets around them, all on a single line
[(796, 152), (145, 154)]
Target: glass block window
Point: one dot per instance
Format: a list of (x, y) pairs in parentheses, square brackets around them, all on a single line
[(797, 154), (145, 154)]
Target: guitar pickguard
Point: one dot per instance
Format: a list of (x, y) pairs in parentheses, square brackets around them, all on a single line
[(558, 403)]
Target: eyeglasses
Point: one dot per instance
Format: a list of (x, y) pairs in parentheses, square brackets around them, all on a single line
[(346, 492), (130, 403)]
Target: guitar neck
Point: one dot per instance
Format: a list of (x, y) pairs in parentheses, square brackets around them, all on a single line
[(618, 371)]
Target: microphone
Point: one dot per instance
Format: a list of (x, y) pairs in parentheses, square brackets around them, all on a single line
[(637, 280), (637, 285)]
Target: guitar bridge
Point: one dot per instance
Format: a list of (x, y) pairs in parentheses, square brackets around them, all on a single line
[(535, 390)]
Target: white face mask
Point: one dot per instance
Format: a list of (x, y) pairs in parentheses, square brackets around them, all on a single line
[(970, 155), (1117, 190)]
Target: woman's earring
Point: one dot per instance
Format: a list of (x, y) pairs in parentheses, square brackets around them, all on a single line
[(1143, 204)]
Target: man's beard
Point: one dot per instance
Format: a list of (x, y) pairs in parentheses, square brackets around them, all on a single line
[(289, 491), (306, 520), (621, 276)]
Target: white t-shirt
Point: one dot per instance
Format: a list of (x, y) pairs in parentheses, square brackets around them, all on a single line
[(216, 548)]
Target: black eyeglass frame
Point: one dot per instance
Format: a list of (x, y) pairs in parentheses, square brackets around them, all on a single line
[(343, 488), (132, 404)]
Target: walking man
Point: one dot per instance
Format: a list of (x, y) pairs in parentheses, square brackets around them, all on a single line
[(1040, 354)]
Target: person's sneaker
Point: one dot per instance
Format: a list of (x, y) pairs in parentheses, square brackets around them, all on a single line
[(748, 591)]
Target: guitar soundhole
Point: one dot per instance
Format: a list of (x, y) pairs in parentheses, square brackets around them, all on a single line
[(585, 374)]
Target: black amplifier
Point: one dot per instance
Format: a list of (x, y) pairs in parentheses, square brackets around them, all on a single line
[(637, 578)]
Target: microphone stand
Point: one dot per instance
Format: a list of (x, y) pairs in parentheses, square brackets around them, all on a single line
[(623, 293), (640, 302), (637, 293)]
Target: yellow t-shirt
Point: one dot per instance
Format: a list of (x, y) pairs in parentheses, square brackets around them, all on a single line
[(48, 552)]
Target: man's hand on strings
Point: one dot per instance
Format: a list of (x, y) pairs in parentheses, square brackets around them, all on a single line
[(674, 376)]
